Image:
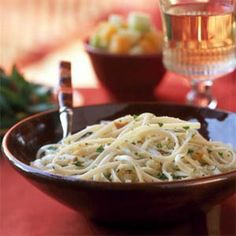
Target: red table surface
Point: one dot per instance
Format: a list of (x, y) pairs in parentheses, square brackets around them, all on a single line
[(25, 211), (173, 89)]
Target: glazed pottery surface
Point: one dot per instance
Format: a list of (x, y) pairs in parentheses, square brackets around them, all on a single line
[(119, 202)]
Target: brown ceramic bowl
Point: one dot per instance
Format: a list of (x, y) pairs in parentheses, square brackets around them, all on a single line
[(129, 202), (127, 76)]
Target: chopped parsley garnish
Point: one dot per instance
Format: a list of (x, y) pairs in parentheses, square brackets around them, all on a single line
[(78, 163), (169, 145), (176, 168), (186, 127), (63, 165), (162, 176), (159, 145), (107, 176), (85, 135), (209, 150), (100, 149), (190, 151), (52, 148), (177, 177), (220, 153), (160, 124)]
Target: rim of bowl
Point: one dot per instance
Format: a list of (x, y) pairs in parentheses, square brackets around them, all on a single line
[(98, 51), (69, 179)]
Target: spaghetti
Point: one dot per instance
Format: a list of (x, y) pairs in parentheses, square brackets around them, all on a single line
[(144, 148)]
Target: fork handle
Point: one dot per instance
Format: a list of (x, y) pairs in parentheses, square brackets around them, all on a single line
[(65, 98)]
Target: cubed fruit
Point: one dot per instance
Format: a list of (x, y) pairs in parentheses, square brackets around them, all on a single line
[(136, 50), (105, 34), (95, 41), (133, 35), (139, 21), (117, 20), (120, 44), (147, 46), (155, 38)]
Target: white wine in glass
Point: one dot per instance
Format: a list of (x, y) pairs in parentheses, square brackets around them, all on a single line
[(200, 43)]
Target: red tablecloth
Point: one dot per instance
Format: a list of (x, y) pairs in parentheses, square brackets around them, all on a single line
[(174, 89), (25, 211)]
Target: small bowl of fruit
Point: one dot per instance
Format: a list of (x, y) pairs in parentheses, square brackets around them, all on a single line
[(126, 55)]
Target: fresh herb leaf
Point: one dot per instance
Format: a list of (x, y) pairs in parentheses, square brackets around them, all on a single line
[(159, 145), (160, 124), (170, 145), (186, 127), (220, 153), (107, 176), (190, 151), (209, 150), (85, 135), (52, 148), (100, 149), (162, 176), (177, 177), (176, 168), (19, 98), (78, 163)]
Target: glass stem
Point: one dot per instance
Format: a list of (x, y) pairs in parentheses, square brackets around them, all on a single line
[(201, 94)]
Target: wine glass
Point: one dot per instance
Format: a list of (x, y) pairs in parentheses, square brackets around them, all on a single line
[(200, 43)]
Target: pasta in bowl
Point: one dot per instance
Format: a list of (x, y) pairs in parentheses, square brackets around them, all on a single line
[(129, 187), (138, 148)]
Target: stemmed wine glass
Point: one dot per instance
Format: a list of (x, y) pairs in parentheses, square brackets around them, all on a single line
[(200, 43)]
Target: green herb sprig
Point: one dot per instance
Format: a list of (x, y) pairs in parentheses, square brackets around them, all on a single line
[(162, 176), (100, 149), (20, 98)]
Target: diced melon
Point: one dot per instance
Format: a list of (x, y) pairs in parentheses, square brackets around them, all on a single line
[(147, 46), (101, 25), (116, 20), (139, 21), (136, 50), (155, 39), (105, 34), (133, 35), (95, 41), (120, 44)]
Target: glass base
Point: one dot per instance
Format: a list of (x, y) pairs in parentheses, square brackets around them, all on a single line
[(201, 100), (201, 95)]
